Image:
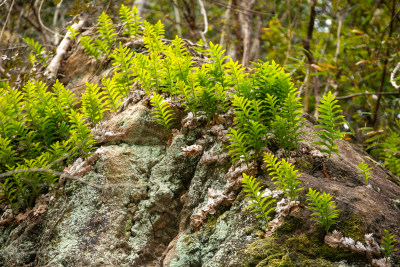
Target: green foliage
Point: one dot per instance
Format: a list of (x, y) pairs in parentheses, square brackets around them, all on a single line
[(239, 148), (152, 36), (90, 47), (330, 121), (72, 32), (390, 154), (123, 60), (113, 95), (131, 19), (161, 112), (37, 127), (107, 33), (271, 79), (93, 103), (364, 171), (260, 204), (285, 175), (39, 54), (286, 126), (217, 68), (324, 208), (387, 246)]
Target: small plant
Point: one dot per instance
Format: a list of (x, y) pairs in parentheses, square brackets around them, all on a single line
[(93, 104), (131, 19), (260, 204), (387, 246), (324, 207), (329, 122), (39, 54), (364, 171), (161, 112), (239, 148), (285, 175)]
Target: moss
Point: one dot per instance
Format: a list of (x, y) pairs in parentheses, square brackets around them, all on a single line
[(290, 225), (351, 228), (128, 226), (259, 250), (303, 164)]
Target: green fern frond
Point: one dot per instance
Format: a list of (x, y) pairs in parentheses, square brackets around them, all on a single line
[(131, 19), (324, 208), (217, 68), (239, 148), (364, 171), (38, 51), (152, 36), (106, 30), (330, 121), (113, 100), (161, 112), (93, 103), (285, 174), (123, 60), (387, 246), (90, 47), (81, 137), (261, 204)]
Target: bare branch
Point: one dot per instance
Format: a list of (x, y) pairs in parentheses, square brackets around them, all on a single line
[(204, 14), (361, 94), (392, 81), (54, 65), (177, 19), (8, 17)]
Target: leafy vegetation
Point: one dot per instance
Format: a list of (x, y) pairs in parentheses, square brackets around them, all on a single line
[(161, 112), (325, 212), (260, 203), (364, 171), (387, 246), (330, 121)]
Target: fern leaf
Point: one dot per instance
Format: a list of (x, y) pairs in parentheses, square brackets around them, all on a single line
[(161, 112)]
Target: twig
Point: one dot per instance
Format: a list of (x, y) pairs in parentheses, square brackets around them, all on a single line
[(392, 81), (361, 94), (55, 63), (177, 19), (204, 14), (5, 24)]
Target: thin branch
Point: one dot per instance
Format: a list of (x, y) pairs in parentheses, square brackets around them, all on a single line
[(378, 102), (177, 19), (392, 81), (55, 18), (204, 14), (5, 24), (40, 20), (367, 93), (227, 16)]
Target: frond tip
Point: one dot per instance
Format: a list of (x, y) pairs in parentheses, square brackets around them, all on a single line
[(161, 112), (260, 204)]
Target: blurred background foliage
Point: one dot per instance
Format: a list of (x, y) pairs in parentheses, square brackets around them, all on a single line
[(348, 47)]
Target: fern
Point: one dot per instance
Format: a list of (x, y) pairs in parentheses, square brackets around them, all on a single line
[(270, 78), (130, 18), (330, 121), (285, 174), (217, 68), (286, 126), (161, 112), (391, 152), (81, 136), (72, 32), (237, 76), (8, 155), (38, 51), (152, 36), (106, 31), (113, 96), (123, 60), (239, 148), (324, 208), (93, 103), (260, 204), (387, 246), (90, 47), (364, 171)]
